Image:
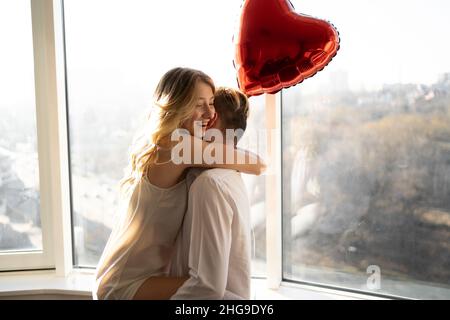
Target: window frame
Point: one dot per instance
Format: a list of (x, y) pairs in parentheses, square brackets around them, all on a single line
[(274, 230), (51, 126)]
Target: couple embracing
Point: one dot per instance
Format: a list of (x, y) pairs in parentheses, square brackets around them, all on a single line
[(184, 230)]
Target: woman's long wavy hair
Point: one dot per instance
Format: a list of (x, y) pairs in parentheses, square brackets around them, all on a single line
[(174, 103)]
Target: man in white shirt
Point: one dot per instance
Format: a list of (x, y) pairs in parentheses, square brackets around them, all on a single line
[(213, 246)]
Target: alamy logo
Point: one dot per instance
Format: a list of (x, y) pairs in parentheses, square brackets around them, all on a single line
[(374, 280), (213, 153), (222, 146)]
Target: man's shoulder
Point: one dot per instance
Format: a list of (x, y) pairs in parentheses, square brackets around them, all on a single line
[(219, 173), (219, 176), (216, 177), (225, 184)]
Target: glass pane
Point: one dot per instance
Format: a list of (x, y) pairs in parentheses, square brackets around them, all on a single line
[(112, 71), (366, 161), (20, 225)]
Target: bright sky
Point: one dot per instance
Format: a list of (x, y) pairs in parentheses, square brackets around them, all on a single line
[(126, 45), (387, 41)]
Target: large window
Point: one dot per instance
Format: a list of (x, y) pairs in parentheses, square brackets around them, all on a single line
[(20, 223), (365, 143), (366, 161), (116, 53)]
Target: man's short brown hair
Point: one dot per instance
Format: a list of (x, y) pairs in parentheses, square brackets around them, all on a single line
[(232, 107)]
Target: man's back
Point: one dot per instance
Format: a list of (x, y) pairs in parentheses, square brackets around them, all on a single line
[(213, 246)]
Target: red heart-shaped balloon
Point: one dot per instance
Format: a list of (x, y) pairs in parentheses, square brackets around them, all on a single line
[(277, 48)]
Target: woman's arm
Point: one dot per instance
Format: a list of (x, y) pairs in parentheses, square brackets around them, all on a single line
[(159, 288), (219, 155)]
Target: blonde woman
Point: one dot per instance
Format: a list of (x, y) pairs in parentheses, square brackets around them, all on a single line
[(138, 251)]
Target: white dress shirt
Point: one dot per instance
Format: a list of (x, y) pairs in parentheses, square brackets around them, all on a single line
[(213, 245)]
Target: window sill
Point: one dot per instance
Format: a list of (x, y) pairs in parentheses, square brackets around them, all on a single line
[(46, 285)]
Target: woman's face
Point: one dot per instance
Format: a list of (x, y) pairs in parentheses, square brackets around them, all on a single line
[(204, 112)]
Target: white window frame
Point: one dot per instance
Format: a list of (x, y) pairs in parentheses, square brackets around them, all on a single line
[(274, 231), (48, 51)]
